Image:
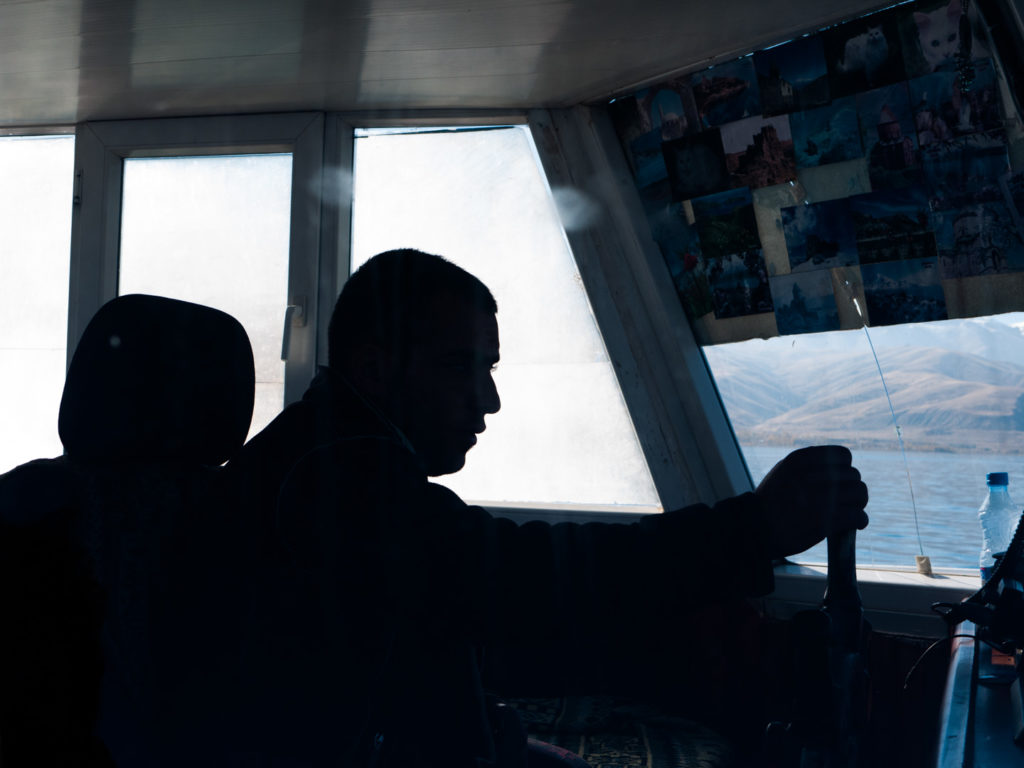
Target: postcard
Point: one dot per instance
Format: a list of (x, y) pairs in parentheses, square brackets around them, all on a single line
[(827, 182), (669, 107), (864, 54), (628, 122), (903, 292), (804, 303), (726, 223), (944, 111), (1012, 185), (696, 165), (819, 235), (980, 239), (655, 197), (792, 76), (965, 170), (648, 159), (726, 92), (827, 135), (931, 37), (889, 136), (768, 203), (739, 284), (759, 151), (680, 248), (893, 225)]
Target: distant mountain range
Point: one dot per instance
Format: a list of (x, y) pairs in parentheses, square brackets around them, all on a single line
[(955, 385)]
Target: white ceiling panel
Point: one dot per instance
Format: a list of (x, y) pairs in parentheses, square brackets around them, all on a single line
[(63, 61)]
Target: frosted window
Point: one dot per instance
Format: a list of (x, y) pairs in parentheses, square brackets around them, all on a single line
[(36, 178), (214, 231), (563, 435)]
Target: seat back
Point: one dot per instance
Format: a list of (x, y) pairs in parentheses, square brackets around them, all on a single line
[(51, 612), (158, 395), (159, 380)]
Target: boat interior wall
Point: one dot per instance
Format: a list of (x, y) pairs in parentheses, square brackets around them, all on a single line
[(68, 61), (867, 114)]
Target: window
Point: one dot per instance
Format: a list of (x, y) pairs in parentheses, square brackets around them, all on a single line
[(563, 436), (222, 211), (957, 392), (35, 239), (214, 230), (797, 195)]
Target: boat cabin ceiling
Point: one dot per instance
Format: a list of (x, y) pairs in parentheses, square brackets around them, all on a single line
[(69, 61)]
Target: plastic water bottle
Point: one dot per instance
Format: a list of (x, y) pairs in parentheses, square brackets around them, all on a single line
[(999, 516)]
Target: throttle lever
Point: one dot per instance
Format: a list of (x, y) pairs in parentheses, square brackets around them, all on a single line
[(842, 598)]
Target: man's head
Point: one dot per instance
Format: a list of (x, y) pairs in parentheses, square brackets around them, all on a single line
[(417, 335)]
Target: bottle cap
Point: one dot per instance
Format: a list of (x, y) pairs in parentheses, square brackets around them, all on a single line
[(998, 478)]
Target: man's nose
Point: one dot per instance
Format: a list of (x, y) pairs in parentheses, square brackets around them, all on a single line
[(487, 394)]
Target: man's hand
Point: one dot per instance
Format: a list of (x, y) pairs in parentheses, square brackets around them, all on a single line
[(812, 493)]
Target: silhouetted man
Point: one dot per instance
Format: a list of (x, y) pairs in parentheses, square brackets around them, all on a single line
[(381, 588)]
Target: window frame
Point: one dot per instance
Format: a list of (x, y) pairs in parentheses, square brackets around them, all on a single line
[(572, 145), (100, 151), (684, 431), (668, 388), (683, 426)]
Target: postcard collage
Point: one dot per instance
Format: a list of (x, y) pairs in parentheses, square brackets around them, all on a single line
[(857, 176)]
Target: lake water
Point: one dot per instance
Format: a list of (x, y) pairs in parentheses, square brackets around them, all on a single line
[(948, 489)]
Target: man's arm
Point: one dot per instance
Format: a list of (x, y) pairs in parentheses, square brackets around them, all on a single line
[(570, 572)]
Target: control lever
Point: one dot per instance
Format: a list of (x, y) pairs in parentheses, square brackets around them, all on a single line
[(830, 672), (842, 598)]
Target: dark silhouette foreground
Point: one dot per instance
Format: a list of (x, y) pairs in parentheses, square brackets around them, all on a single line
[(383, 591)]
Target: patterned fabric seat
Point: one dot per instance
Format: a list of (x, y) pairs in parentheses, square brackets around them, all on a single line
[(612, 732)]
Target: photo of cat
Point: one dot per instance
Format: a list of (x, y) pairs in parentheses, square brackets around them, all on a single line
[(864, 54), (931, 37)]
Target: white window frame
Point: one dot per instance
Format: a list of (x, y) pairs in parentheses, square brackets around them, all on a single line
[(100, 151), (683, 429), (640, 320), (669, 391)]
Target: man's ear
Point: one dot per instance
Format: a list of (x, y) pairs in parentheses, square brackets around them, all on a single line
[(369, 369)]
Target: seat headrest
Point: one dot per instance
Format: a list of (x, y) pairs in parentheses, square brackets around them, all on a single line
[(158, 379)]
